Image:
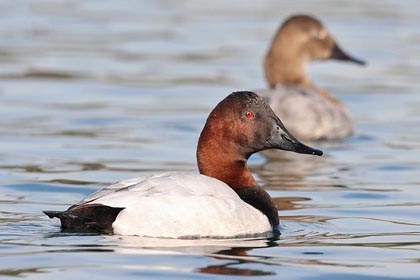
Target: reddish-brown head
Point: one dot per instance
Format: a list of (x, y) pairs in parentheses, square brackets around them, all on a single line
[(240, 125)]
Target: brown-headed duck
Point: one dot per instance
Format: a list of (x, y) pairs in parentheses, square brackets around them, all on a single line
[(224, 200)]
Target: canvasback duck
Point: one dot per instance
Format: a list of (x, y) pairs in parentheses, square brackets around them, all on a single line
[(224, 200), (309, 112)]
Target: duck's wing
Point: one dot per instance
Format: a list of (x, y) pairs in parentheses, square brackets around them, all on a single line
[(118, 186), (165, 183)]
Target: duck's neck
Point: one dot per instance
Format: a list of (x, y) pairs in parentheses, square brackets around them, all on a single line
[(223, 163), (286, 67)]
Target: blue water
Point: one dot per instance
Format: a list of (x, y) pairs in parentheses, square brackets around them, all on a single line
[(92, 92)]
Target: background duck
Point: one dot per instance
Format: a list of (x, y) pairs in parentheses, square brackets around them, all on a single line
[(316, 113)]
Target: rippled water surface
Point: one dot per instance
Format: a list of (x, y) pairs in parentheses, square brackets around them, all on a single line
[(92, 92)]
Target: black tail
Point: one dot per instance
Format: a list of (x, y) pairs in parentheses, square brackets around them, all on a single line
[(87, 218)]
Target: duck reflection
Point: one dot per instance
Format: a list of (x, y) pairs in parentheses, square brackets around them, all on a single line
[(225, 269), (237, 257), (234, 254)]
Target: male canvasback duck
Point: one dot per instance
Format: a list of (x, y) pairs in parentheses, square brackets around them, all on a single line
[(309, 112), (223, 201)]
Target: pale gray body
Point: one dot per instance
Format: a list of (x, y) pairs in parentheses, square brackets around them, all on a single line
[(309, 115)]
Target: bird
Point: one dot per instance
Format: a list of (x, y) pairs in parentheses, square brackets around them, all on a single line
[(309, 112), (222, 201)]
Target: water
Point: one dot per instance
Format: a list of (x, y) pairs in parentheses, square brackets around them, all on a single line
[(95, 92)]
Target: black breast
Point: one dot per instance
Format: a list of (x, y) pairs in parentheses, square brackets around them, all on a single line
[(260, 199)]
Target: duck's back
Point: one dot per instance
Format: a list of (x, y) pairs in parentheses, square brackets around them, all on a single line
[(178, 204), (308, 114)]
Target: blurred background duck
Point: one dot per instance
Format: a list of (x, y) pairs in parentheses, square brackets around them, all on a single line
[(316, 113)]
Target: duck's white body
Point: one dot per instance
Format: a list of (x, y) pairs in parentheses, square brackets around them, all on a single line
[(179, 204), (309, 115)]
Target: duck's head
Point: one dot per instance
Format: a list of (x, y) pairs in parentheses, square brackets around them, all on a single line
[(240, 125), (243, 124), (301, 39)]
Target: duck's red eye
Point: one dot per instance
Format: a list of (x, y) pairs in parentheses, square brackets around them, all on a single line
[(250, 115)]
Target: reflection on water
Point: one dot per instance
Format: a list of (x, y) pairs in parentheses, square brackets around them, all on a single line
[(94, 92), (227, 270)]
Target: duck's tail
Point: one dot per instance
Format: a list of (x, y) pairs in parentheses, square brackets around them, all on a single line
[(87, 218)]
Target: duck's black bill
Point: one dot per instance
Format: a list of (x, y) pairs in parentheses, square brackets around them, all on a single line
[(338, 54), (303, 149), (282, 139)]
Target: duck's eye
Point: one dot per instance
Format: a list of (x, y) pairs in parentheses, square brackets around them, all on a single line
[(250, 115)]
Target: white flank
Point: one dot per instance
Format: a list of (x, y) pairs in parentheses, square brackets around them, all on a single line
[(179, 204)]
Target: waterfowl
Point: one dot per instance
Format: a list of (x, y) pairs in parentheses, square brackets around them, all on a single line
[(224, 200), (308, 112)]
